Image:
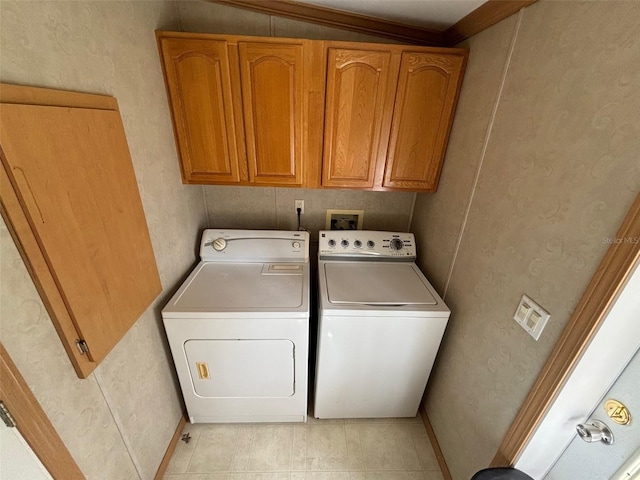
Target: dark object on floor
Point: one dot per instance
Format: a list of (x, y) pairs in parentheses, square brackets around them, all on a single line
[(501, 474)]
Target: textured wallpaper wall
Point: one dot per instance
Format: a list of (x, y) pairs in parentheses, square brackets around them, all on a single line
[(549, 169), (118, 422), (256, 207)]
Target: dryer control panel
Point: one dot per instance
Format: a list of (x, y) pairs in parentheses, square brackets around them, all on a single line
[(254, 246), (366, 244)]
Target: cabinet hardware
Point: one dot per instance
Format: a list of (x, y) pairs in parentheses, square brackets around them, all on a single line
[(82, 346)]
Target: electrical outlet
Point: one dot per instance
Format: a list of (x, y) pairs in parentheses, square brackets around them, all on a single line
[(299, 204)]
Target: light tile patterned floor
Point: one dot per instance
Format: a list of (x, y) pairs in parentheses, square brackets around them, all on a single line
[(362, 449)]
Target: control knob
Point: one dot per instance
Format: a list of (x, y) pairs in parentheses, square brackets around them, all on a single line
[(344, 243), (396, 244), (371, 243), (219, 244), (332, 242), (357, 244)]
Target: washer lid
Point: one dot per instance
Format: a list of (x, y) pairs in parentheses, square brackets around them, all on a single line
[(247, 286), (379, 283)]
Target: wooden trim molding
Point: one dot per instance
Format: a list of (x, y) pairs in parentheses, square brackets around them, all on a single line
[(340, 19), (33, 424), (610, 277), (481, 18), (170, 449), (444, 468)]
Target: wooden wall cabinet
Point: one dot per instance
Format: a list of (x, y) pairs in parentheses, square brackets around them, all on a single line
[(306, 113), (239, 107), (69, 196), (388, 113)]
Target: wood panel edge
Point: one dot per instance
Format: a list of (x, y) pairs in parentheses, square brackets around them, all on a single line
[(33, 424), (483, 17), (340, 19), (173, 443), (10, 93), (442, 463), (608, 280)]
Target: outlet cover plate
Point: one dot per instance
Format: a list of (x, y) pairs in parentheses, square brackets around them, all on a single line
[(344, 219)]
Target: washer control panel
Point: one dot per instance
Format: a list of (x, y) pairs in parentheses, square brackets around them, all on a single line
[(366, 244)]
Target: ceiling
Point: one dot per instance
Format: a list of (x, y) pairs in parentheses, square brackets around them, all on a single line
[(434, 14)]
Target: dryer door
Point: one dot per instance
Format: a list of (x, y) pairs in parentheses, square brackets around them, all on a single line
[(241, 368)]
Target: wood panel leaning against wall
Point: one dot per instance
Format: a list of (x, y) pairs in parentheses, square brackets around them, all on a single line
[(69, 196)]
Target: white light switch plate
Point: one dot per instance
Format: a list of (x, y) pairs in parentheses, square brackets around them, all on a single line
[(531, 316)]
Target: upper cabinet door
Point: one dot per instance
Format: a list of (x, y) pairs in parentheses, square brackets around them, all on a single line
[(198, 81), (359, 95), (272, 99), (428, 87)]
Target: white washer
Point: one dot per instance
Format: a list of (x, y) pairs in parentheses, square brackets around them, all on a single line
[(238, 328), (380, 325)]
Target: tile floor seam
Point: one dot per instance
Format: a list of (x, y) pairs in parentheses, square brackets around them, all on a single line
[(195, 447), (415, 447), (253, 439), (402, 452)]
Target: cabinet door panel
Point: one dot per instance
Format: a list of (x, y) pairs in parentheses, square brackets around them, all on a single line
[(272, 98), (427, 91), (198, 80), (357, 93)]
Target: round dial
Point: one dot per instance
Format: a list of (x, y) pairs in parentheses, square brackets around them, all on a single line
[(344, 243), (295, 244), (396, 244), (371, 243), (332, 242), (357, 243), (219, 244)]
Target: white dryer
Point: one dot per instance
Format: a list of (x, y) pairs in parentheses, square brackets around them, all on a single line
[(380, 325), (238, 328)]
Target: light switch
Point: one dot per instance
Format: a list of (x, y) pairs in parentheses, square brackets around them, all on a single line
[(531, 316), (533, 320), (523, 311)]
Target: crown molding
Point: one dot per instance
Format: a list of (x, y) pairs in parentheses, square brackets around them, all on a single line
[(339, 19), (481, 18)]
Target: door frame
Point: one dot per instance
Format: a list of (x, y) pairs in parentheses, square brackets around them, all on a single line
[(33, 424), (609, 279)]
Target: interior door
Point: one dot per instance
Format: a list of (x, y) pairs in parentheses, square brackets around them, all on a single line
[(17, 458), (596, 461)]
